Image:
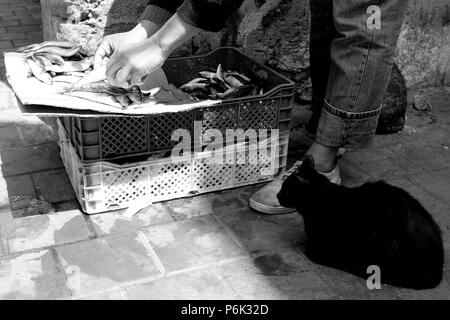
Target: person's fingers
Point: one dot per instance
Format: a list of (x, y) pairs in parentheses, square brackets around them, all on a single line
[(112, 68), (104, 50), (122, 77), (137, 79)]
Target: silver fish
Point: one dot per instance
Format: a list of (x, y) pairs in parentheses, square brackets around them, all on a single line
[(39, 72), (37, 46), (197, 83), (54, 59), (208, 74), (66, 79), (71, 66), (59, 51), (43, 61), (241, 77), (232, 81)]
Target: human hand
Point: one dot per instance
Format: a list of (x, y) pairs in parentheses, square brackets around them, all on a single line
[(111, 43), (128, 66)]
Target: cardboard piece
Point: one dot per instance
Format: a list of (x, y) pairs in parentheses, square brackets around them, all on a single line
[(39, 99)]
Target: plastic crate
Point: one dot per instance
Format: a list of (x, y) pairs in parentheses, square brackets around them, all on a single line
[(103, 186), (107, 138)]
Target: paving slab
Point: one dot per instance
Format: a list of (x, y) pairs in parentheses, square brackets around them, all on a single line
[(115, 222), (9, 137), (44, 230), (33, 275), (54, 185), (16, 192), (103, 264), (436, 183), (235, 200), (30, 159), (260, 233), (192, 243), (37, 133), (428, 157), (193, 285), (277, 276), (182, 209), (350, 287), (381, 164)]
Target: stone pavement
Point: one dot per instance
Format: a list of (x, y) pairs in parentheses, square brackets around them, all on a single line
[(208, 247)]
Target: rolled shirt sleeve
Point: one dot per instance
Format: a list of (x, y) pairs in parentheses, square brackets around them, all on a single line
[(159, 11), (209, 15)]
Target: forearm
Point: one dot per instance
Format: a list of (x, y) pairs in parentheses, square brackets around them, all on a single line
[(144, 29), (173, 34)]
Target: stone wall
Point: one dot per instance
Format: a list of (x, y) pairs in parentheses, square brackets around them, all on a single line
[(275, 32)]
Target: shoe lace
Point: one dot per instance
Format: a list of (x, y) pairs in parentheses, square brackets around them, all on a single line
[(292, 170)]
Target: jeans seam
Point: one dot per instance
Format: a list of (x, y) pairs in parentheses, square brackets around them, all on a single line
[(364, 67), (328, 107), (344, 135)]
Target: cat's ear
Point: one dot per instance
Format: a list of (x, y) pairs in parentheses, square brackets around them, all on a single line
[(308, 161)]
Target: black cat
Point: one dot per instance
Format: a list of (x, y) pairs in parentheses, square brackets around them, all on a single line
[(374, 224)]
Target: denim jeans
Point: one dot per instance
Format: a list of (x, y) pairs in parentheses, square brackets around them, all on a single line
[(352, 48)]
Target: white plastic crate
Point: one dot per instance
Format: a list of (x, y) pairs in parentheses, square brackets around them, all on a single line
[(103, 186)]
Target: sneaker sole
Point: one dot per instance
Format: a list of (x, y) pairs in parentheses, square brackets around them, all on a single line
[(269, 210)]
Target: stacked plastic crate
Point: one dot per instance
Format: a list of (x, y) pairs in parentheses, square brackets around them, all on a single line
[(114, 162)]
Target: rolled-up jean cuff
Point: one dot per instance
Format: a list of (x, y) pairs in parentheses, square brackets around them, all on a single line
[(339, 128), (157, 15)]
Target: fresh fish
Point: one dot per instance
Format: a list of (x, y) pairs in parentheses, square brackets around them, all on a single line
[(66, 79), (241, 77), (238, 92), (71, 66), (102, 87), (37, 46), (74, 74), (208, 74), (218, 86), (39, 72), (123, 100), (135, 94), (219, 73), (194, 84), (96, 87), (59, 51), (43, 61), (200, 93), (232, 81), (54, 59)]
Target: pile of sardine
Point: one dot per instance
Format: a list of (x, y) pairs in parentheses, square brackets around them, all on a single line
[(57, 61), (221, 85), (66, 63)]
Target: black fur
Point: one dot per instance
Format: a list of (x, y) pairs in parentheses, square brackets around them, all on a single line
[(374, 224)]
